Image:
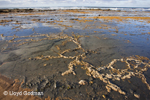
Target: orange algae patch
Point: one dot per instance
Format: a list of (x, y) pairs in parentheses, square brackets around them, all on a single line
[(4, 21), (118, 18), (59, 21), (140, 57)]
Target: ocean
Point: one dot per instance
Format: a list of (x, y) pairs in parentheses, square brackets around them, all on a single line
[(84, 7)]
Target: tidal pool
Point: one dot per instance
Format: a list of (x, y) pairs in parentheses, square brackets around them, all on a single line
[(66, 55)]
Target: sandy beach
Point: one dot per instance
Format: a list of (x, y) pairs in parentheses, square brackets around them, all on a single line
[(75, 54)]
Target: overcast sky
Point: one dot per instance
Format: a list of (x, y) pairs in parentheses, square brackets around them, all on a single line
[(49, 3)]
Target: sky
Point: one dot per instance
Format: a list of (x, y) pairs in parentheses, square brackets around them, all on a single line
[(50, 3)]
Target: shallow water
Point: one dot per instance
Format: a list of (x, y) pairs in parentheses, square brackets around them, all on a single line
[(40, 49)]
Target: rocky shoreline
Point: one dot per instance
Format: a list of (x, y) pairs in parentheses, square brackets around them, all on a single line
[(71, 54)]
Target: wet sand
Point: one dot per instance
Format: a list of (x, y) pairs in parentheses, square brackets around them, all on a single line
[(66, 55)]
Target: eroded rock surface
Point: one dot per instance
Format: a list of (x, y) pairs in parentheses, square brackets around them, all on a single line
[(46, 68)]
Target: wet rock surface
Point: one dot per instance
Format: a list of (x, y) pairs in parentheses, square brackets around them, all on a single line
[(76, 76), (67, 65)]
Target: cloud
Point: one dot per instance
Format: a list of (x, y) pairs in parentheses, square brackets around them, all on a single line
[(9, 3), (4, 2)]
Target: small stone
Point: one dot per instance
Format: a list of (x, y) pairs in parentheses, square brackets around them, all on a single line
[(30, 84), (137, 96), (55, 85), (103, 96), (82, 82), (91, 82), (131, 91)]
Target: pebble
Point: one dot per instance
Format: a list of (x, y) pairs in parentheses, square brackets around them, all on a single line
[(137, 96), (82, 82), (55, 85)]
